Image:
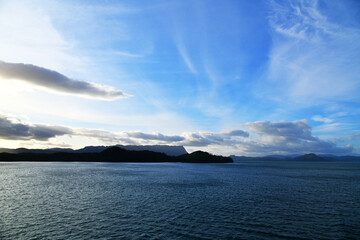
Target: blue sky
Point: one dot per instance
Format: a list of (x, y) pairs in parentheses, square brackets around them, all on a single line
[(229, 77)]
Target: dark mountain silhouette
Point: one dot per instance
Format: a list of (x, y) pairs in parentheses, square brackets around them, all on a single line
[(168, 150), (200, 156), (114, 154), (310, 157), (44, 151), (91, 149)]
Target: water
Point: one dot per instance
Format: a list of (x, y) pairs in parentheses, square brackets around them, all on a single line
[(271, 200)]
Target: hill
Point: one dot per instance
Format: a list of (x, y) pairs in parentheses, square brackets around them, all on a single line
[(114, 154), (168, 150)]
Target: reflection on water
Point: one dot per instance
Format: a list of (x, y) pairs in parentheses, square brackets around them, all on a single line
[(272, 200)]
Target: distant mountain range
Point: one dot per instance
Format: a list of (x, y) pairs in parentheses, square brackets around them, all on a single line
[(109, 154), (173, 152), (168, 150), (310, 157)]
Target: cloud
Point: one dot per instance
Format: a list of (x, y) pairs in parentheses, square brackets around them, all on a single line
[(284, 146), (56, 81), (236, 133), (184, 54), (319, 118), (330, 127), (17, 130), (155, 136), (11, 129), (355, 136), (311, 53), (262, 138), (202, 139), (286, 138), (297, 129)]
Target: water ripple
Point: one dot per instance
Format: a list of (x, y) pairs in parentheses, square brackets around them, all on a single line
[(178, 201)]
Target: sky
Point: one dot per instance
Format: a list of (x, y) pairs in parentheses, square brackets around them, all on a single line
[(234, 77)]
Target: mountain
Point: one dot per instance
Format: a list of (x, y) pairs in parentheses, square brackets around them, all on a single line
[(200, 157), (114, 154), (91, 149), (168, 150), (43, 151), (310, 157), (245, 158)]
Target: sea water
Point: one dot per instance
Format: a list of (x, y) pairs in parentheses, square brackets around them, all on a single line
[(253, 200)]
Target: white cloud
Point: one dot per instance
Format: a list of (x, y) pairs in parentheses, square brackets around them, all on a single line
[(286, 138), (284, 146), (330, 127), (56, 81), (154, 136), (29, 35), (185, 56), (312, 59), (319, 118)]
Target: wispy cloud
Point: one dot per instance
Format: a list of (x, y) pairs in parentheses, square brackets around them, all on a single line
[(28, 34), (355, 136), (185, 56), (313, 59), (330, 127), (319, 118), (56, 81), (127, 54)]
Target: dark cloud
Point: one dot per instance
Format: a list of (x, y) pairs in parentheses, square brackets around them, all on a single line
[(56, 81), (296, 129), (14, 130)]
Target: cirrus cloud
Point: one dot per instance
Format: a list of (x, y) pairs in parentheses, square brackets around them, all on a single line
[(311, 52)]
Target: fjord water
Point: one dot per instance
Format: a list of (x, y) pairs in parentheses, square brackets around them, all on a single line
[(258, 200)]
